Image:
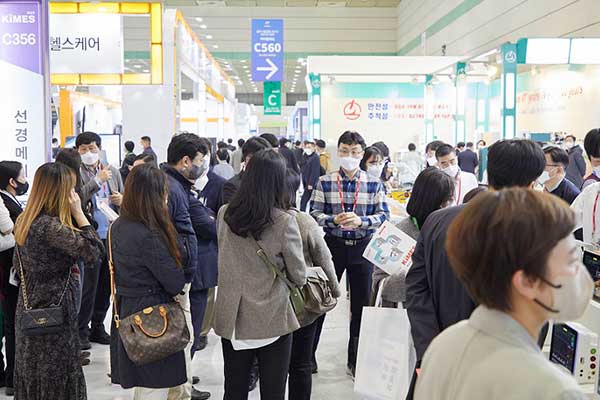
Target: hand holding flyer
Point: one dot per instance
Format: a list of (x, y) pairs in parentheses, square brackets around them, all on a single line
[(390, 249)]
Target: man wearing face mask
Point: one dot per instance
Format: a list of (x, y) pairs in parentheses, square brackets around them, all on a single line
[(430, 150), (350, 205), (100, 184), (187, 161), (530, 272), (311, 171), (435, 298), (464, 182), (577, 167), (553, 178)]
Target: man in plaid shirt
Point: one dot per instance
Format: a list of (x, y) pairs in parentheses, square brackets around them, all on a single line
[(350, 205)]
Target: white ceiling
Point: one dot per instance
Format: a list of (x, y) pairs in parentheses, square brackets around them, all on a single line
[(283, 3)]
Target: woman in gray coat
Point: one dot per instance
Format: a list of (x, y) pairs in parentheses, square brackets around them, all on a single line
[(433, 190), (254, 316)]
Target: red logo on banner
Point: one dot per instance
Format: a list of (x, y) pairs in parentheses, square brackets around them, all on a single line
[(352, 110)]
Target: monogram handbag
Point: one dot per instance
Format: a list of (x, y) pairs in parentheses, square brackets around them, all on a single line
[(153, 333), (40, 321), (296, 296)]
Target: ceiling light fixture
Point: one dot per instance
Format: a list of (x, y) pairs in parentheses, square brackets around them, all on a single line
[(203, 26), (215, 46), (209, 37), (199, 19)]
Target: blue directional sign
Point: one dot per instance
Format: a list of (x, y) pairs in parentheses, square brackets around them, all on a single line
[(267, 50)]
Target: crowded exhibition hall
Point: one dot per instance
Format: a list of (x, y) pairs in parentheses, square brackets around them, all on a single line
[(299, 199)]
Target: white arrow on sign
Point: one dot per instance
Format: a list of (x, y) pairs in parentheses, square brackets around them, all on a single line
[(272, 67)]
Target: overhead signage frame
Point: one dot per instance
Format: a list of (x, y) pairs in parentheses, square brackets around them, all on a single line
[(267, 50), (154, 10)]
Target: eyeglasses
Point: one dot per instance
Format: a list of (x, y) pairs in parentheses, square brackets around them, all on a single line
[(355, 154)]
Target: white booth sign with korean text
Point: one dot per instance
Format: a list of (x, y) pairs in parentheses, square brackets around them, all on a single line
[(86, 44)]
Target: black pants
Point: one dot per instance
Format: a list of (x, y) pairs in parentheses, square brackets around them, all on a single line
[(9, 308), (95, 299), (305, 199), (349, 259), (300, 382), (273, 361), (198, 302)]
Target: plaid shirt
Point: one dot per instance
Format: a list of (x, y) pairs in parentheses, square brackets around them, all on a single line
[(371, 205)]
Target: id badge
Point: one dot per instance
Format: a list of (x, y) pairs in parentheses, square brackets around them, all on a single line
[(13, 277)]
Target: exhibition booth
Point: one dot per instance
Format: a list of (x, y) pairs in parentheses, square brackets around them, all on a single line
[(168, 83)]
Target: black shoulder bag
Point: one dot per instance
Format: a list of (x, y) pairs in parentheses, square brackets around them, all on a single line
[(40, 321)]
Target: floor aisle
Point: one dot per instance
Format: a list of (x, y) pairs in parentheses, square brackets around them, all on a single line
[(331, 383)]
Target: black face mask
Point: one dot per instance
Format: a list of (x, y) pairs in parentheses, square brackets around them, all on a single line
[(21, 188)]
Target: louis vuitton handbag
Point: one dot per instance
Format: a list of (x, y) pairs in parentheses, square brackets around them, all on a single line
[(153, 333), (40, 321)]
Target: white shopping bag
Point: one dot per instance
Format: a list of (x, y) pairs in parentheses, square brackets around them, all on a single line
[(386, 355)]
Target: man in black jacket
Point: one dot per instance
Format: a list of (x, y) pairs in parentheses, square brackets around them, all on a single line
[(467, 159), (252, 145), (435, 298), (186, 162), (311, 172)]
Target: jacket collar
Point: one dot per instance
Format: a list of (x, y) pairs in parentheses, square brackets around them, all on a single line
[(173, 173), (504, 328)]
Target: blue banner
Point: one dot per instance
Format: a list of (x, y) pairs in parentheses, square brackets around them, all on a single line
[(267, 50)]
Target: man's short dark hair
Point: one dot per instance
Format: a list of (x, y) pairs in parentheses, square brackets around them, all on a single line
[(130, 159), (469, 144), (254, 145), (147, 139), (88, 138), (283, 141), (272, 139), (558, 155), (514, 162), (129, 145), (412, 147), (9, 170), (592, 143), (54, 140), (147, 158), (221, 145), (443, 151), (571, 137), (309, 142), (521, 228), (185, 144), (460, 144), (223, 155), (241, 142), (230, 140), (352, 138), (298, 143), (433, 146), (321, 143)]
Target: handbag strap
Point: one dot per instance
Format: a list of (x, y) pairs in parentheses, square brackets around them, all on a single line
[(24, 286), (113, 289), (265, 258)]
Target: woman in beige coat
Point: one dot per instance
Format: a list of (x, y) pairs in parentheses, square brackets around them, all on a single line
[(254, 316)]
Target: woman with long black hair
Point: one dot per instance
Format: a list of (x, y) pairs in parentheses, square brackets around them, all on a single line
[(254, 316)]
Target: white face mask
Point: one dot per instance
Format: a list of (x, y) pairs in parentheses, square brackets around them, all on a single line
[(308, 152), (90, 158), (451, 171), (432, 161), (597, 170), (544, 177), (349, 163), (375, 170), (571, 295)]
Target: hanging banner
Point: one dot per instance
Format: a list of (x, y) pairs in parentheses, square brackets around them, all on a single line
[(272, 98), (267, 50), (86, 43), (23, 104)]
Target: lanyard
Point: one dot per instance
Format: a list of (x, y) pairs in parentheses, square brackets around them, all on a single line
[(459, 192), (594, 215), (415, 222), (342, 196)]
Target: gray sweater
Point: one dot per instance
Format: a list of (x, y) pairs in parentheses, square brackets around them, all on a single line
[(394, 289)]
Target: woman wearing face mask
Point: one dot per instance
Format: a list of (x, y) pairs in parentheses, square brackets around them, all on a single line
[(12, 184), (372, 162), (526, 271), (432, 191)]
